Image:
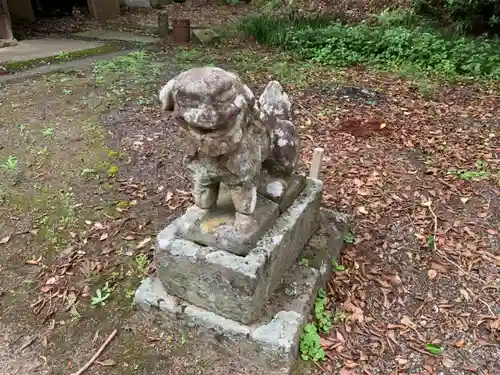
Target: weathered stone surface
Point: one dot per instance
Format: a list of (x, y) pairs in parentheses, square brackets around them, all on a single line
[(326, 243), (204, 36), (233, 286), (136, 3), (220, 228), (117, 35), (271, 344), (232, 138), (163, 25), (282, 191)]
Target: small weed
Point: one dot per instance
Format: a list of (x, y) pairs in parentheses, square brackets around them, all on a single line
[(304, 262), (11, 164), (43, 152), (183, 340), (23, 130), (349, 238), (431, 239), (75, 315), (67, 92), (130, 294), (189, 55), (144, 101), (481, 172), (337, 267), (88, 172), (310, 345), (339, 317), (101, 295), (63, 56), (323, 316), (113, 170), (48, 132), (142, 263)]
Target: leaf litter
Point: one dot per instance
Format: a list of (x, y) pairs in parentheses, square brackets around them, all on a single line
[(413, 224)]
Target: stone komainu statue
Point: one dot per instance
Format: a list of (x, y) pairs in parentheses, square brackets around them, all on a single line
[(234, 139)]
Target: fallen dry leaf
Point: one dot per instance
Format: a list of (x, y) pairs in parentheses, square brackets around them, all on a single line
[(4, 240), (459, 343), (432, 273), (447, 362), (362, 210)]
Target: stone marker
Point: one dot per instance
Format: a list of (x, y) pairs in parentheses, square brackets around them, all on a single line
[(163, 27), (204, 36), (228, 268)]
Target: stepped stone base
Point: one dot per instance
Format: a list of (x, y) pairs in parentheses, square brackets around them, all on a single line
[(237, 287), (271, 343)]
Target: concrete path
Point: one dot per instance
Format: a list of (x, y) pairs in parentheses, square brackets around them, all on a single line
[(65, 66), (116, 35), (44, 48)]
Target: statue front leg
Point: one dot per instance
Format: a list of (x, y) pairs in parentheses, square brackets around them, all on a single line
[(205, 191), (244, 198)]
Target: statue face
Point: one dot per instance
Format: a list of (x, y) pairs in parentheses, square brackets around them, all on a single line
[(211, 106), (215, 126)]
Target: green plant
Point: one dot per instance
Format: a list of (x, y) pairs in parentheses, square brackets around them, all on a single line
[(11, 164), (349, 238), (142, 263), (113, 170), (340, 316), (481, 172), (323, 316), (434, 349), (337, 267), (310, 345), (63, 56), (48, 132), (304, 262), (101, 295), (381, 46), (431, 239)]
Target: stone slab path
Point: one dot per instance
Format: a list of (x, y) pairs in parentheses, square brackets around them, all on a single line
[(44, 48), (117, 35)]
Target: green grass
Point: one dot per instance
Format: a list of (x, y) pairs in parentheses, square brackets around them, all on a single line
[(385, 45), (61, 57)]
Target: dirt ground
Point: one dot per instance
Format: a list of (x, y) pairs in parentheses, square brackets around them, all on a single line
[(91, 171)]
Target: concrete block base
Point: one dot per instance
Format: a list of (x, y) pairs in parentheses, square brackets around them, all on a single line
[(271, 343), (234, 286)]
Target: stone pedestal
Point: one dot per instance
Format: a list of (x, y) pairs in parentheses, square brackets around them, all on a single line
[(253, 306)]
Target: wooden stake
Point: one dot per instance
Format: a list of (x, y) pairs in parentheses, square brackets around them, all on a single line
[(316, 163), (97, 354)]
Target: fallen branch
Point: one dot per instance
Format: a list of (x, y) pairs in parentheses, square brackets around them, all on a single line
[(428, 204), (314, 117), (97, 354)]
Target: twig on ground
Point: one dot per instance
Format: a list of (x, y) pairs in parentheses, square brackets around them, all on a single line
[(97, 354), (319, 366), (314, 117), (487, 306), (428, 204)]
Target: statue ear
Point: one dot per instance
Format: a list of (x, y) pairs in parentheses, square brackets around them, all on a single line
[(167, 96)]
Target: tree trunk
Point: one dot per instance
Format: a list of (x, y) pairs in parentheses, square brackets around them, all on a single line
[(5, 26)]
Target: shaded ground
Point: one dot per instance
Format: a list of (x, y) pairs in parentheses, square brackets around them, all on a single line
[(91, 171)]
